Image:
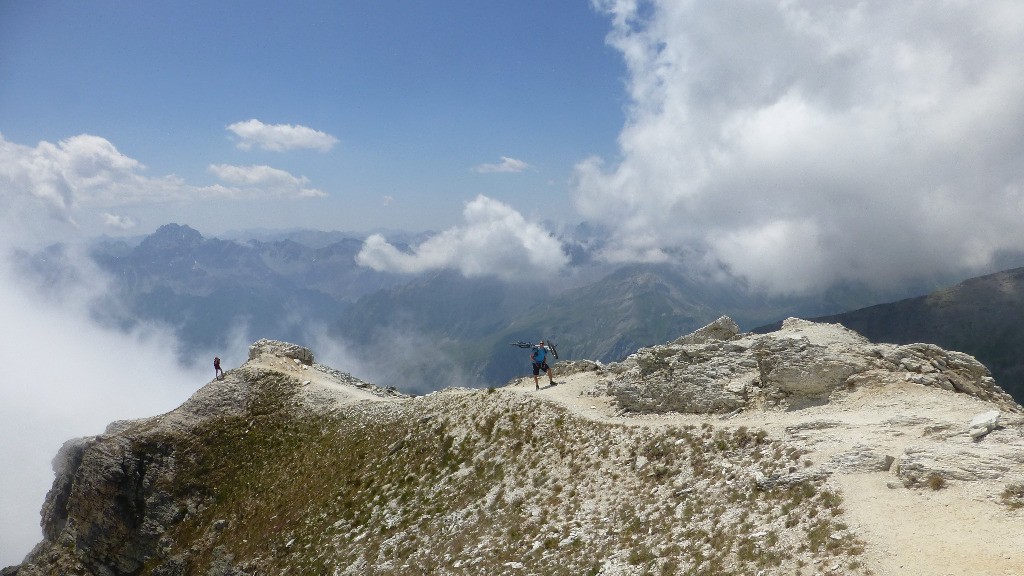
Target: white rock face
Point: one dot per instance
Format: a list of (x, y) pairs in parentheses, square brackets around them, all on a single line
[(961, 459), (707, 371), (984, 423), (862, 458), (793, 365), (717, 369), (282, 349)]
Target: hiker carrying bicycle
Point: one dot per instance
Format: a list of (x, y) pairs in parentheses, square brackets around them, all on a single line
[(539, 356)]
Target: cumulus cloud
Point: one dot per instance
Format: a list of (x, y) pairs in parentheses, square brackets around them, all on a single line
[(256, 181), (60, 176), (280, 137), (802, 143), (495, 240), (84, 170), (87, 171), (506, 165)]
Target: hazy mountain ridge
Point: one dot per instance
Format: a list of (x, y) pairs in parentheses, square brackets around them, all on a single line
[(458, 329), (471, 321), (440, 328), (289, 466), (208, 289)]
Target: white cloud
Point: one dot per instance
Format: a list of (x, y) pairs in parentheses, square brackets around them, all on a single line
[(117, 222), (804, 143), (264, 181), (280, 137), (496, 240), (87, 172), (66, 377), (506, 165), (45, 188), (80, 168)]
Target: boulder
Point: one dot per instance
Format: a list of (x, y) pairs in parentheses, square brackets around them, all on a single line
[(283, 349), (983, 423), (723, 329), (711, 377)]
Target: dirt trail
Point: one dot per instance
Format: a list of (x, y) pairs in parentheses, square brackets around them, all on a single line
[(960, 530), (320, 383)]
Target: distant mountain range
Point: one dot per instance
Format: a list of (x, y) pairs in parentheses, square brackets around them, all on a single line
[(439, 328), (450, 330), (211, 290)]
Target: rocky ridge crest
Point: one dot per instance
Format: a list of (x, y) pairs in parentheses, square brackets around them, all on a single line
[(719, 452), (717, 369)]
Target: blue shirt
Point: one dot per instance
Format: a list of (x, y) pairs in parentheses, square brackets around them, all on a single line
[(539, 354)]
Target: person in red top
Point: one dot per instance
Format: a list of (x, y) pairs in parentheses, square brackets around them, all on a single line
[(217, 372)]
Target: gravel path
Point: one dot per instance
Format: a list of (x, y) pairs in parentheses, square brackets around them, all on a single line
[(961, 529)]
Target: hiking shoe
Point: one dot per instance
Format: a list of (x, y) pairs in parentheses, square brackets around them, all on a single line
[(553, 383), (537, 385)]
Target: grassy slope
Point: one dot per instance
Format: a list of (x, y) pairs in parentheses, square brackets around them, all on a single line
[(483, 482)]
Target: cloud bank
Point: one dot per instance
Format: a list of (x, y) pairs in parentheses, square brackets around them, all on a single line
[(66, 377), (280, 137), (802, 143), (496, 240)]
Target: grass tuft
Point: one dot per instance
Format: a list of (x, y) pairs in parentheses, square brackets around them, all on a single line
[(1013, 496)]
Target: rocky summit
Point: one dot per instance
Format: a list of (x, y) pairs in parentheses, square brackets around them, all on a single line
[(808, 450)]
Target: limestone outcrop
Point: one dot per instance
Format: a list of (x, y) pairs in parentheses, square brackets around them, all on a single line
[(280, 349), (717, 369)]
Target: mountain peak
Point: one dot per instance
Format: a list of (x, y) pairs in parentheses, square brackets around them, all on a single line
[(172, 236)]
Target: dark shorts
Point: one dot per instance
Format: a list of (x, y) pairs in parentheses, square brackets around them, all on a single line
[(538, 368)]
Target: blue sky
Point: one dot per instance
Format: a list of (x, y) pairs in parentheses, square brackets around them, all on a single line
[(796, 145), (416, 94)]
